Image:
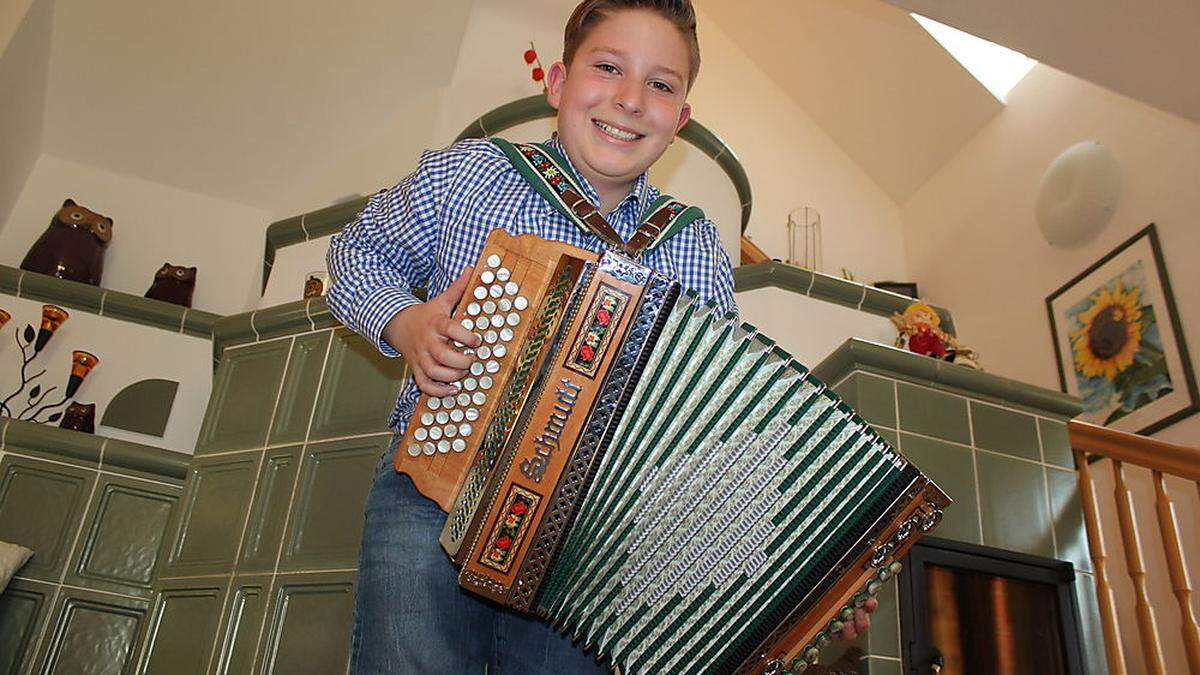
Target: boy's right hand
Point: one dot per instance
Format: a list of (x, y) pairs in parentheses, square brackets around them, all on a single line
[(424, 333)]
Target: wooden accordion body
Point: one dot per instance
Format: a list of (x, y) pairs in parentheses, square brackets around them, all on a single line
[(665, 484)]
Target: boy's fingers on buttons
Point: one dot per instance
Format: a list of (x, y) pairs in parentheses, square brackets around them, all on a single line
[(432, 387), (862, 620), (444, 374), (848, 632), (448, 357), (453, 330)]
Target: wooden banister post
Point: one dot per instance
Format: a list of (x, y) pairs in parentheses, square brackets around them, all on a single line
[(1114, 652), (1147, 627), (1169, 527)]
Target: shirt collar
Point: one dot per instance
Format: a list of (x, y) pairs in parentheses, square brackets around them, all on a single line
[(637, 197)]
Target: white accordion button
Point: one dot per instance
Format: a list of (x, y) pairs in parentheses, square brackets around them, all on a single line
[(477, 368), (478, 398), (420, 433), (472, 414), (428, 448), (520, 303), (485, 382), (481, 292), (465, 429), (463, 400), (474, 308), (434, 403), (447, 402), (499, 351), (492, 367), (442, 417), (468, 323), (487, 277), (457, 415), (470, 384), (496, 290), (506, 334), (426, 418), (497, 321), (502, 274), (489, 307), (511, 288), (505, 304), (435, 433), (493, 260), (481, 322), (485, 352), (450, 431), (443, 446), (513, 319), (414, 450), (490, 337), (458, 445)]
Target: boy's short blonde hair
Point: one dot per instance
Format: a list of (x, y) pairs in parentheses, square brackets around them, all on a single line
[(590, 12)]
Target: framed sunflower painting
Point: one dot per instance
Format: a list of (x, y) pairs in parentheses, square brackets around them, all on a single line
[(1118, 340)]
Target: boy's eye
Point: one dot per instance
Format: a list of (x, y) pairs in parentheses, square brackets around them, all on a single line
[(662, 86), (607, 67)]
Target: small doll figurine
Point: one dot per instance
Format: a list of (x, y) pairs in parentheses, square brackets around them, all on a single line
[(921, 333)]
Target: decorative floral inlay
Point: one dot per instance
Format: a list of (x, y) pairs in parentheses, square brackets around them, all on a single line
[(506, 536), (593, 340)]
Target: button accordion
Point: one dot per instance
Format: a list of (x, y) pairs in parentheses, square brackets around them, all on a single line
[(663, 483)]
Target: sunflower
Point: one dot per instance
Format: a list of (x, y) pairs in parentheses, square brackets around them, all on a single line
[(1111, 332)]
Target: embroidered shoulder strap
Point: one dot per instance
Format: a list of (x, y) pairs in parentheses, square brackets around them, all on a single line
[(549, 174)]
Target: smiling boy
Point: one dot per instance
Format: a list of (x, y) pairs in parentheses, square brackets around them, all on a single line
[(620, 92)]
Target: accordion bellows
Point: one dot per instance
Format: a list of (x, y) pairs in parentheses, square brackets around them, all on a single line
[(663, 483)]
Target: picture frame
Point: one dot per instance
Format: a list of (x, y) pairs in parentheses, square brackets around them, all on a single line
[(1119, 343)]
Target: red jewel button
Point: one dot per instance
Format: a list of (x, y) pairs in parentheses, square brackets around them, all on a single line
[(503, 543), (518, 508), (587, 353), (603, 316)]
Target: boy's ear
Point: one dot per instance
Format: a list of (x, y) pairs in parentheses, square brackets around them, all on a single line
[(685, 114), (556, 77)]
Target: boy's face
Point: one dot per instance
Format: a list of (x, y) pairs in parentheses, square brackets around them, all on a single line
[(622, 100)]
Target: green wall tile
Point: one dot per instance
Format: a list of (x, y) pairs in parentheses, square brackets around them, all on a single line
[(359, 389), (949, 466), (299, 388), (41, 507), (1014, 507), (325, 528), (183, 627), (1094, 659), (48, 442), (91, 634), (268, 516), (146, 311), (1005, 431), (72, 294), (883, 638), (242, 625), (1056, 444), (23, 610), (933, 413), (205, 534), (243, 397), (848, 390), (876, 400), (1067, 514), (889, 436), (9, 279), (309, 624), (122, 535), (877, 666), (287, 319)]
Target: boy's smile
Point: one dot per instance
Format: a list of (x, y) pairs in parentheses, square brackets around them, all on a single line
[(622, 100)]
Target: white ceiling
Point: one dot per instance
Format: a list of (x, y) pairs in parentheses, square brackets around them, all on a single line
[(1147, 50), (870, 76)]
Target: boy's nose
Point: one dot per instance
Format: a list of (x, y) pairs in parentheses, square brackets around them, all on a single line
[(629, 99)]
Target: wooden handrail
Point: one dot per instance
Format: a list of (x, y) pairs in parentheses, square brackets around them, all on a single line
[(751, 253), (1151, 453)]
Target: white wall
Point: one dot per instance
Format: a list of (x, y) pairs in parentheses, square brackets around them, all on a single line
[(153, 224), (24, 62), (128, 353), (809, 328), (974, 245)]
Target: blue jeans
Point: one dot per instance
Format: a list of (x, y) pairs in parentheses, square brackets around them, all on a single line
[(410, 614)]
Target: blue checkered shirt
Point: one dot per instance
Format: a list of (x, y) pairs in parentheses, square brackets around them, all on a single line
[(426, 229)]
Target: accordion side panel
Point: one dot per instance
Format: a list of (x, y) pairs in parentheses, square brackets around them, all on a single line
[(508, 285), (530, 472)]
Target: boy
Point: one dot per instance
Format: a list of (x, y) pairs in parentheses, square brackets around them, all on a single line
[(620, 92)]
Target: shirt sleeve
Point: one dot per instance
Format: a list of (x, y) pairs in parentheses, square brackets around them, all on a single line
[(715, 262), (376, 261)]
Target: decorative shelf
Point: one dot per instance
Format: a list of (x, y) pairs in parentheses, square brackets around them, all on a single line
[(98, 452), (107, 303), (853, 294)]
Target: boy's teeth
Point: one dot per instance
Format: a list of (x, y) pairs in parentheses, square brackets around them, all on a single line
[(615, 132)]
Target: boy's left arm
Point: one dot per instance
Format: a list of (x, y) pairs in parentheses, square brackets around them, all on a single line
[(714, 269)]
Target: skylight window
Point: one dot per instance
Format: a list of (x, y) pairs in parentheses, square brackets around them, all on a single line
[(997, 68)]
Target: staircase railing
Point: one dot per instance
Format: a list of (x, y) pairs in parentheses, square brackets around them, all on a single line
[(1162, 459)]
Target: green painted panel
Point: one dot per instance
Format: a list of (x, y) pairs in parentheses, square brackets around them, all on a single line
[(143, 407), (309, 624), (359, 388), (299, 388), (91, 634), (876, 400), (268, 516), (243, 397), (212, 514), (41, 507), (183, 627), (1067, 514), (122, 536), (929, 412), (879, 666), (23, 609), (327, 516), (1014, 506), (242, 625), (1005, 431), (888, 435), (883, 638), (951, 467), (1056, 444)]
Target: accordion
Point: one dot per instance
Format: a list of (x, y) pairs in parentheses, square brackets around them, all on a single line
[(664, 483)]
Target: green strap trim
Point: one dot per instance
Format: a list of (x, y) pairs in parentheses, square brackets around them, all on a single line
[(679, 218)]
